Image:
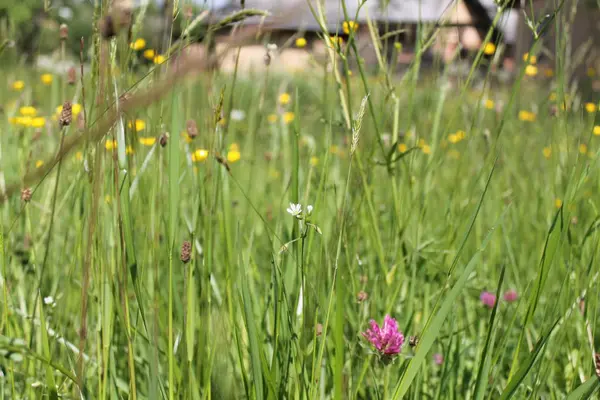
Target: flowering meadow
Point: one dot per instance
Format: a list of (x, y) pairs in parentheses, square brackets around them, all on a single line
[(343, 232)]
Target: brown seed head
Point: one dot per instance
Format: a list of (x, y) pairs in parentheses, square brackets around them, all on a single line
[(192, 128), (597, 363), (80, 122), (63, 32), (362, 296), (26, 195), (186, 252), (66, 116), (107, 27), (164, 138), (71, 76)]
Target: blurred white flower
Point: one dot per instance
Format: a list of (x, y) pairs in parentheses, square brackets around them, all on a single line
[(294, 209), (309, 209), (65, 13), (48, 300), (271, 47), (238, 115)]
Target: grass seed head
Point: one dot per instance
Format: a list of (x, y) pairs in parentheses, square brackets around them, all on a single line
[(26, 195), (192, 128), (186, 252), (66, 115)]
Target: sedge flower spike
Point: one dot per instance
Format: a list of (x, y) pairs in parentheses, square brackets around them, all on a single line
[(488, 299), (387, 339)]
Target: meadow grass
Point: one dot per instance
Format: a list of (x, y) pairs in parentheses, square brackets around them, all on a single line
[(425, 191)]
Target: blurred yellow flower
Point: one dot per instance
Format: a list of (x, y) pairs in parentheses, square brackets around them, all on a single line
[(300, 42), (402, 147), (234, 147), (547, 151), (583, 148), (549, 72), (199, 155), (421, 143), (149, 54), (140, 125), (489, 48), (46, 79), (398, 46), (159, 59), (139, 44), (591, 72), (460, 135), (334, 149), (452, 138), (128, 150), (288, 117), (558, 203), (28, 111), (38, 122), (233, 156), (531, 70), (590, 107), (284, 98), (186, 137), (39, 163), (552, 96), (110, 144), (18, 85), (531, 59), (79, 156), (336, 40), (147, 141), (272, 118), (349, 26), (21, 121), (426, 149), (314, 161), (527, 116), (489, 104), (107, 199), (597, 130)]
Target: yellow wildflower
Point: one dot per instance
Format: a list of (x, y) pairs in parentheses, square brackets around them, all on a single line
[(426, 149), (272, 118), (531, 70), (489, 104), (186, 137), (300, 42), (284, 98), (583, 148), (590, 107), (558, 203), (128, 150), (107, 199), (38, 122), (140, 125), (21, 121), (288, 117), (460, 135), (110, 144), (28, 111), (139, 44), (149, 54), (489, 48), (79, 156), (147, 141), (234, 147), (18, 85), (591, 72), (349, 26), (527, 116), (452, 138), (314, 161), (547, 151), (421, 143), (46, 79), (531, 59), (39, 163), (159, 59), (199, 155), (398, 46), (336, 40), (233, 156), (597, 130), (402, 147)]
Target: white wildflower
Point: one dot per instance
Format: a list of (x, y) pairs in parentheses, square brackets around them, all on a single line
[(294, 209), (309, 209), (238, 115), (48, 300)]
